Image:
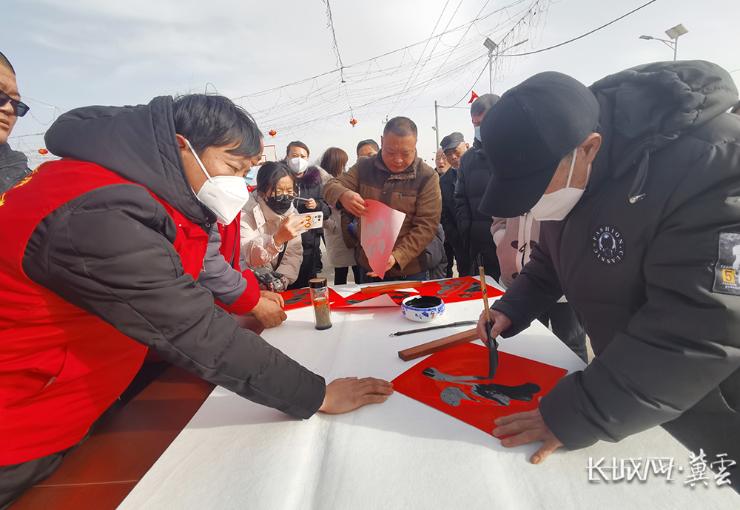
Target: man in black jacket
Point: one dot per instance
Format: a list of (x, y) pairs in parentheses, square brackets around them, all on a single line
[(13, 164), (118, 253), (456, 247), (472, 178), (637, 184)]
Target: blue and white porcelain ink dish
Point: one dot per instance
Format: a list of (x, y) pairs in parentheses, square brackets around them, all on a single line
[(422, 308)]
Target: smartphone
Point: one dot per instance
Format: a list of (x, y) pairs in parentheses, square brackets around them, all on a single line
[(309, 221)]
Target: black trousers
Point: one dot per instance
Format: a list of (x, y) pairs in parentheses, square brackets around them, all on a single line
[(489, 259), (567, 328), (340, 274), (450, 254), (310, 266)]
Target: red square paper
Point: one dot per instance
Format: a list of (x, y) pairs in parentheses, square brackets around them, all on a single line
[(453, 290), (472, 360), (450, 290)]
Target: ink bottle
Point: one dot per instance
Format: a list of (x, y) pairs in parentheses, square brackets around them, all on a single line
[(320, 299)]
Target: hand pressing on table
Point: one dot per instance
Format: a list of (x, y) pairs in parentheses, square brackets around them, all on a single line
[(525, 428), (350, 393), (269, 311), (273, 296), (353, 203)]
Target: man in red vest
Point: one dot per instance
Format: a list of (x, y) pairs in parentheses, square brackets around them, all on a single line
[(101, 252)]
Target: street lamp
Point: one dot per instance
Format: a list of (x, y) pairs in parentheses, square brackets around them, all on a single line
[(673, 33), (493, 48)]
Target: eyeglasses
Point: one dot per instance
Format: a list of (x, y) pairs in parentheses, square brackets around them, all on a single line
[(19, 108)]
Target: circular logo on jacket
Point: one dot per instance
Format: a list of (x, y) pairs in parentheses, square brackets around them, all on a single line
[(608, 244)]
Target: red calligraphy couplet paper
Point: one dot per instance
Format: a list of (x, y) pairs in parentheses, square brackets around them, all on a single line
[(379, 230), (299, 298), (448, 381), (453, 290), (450, 290)]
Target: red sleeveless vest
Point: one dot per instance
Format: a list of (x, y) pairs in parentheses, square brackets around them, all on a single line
[(60, 366)]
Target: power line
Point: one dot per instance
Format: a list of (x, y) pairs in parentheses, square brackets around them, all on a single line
[(424, 49), (531, 11), (382, 55), (335, 45), (468, 91), (582, 35), (389, 96), (330, 23), (554, 46), (436, 43), (373, 75)]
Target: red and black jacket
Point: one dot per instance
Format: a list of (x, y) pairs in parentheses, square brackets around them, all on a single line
[(95, 269)]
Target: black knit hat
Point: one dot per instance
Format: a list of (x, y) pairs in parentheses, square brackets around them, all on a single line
[(526, 134)]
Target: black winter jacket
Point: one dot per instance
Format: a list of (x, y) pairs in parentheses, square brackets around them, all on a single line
[(110, 252), (448, 217), (472, 179), (310, 186), (642, 259), (13, 167)]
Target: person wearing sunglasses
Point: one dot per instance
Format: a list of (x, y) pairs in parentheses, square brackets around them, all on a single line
[(13, 164)]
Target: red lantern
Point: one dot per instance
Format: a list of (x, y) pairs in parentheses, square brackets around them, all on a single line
[(473, 97), (353, 121), (43, 151), (272, 133)]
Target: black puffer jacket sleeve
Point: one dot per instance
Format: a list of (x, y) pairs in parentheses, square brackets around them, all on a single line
[(532, 293), (463, 215), (110, 252), (685, 339)]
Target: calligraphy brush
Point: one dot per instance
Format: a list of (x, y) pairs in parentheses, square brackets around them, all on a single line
[(431, 328), (490, 341)]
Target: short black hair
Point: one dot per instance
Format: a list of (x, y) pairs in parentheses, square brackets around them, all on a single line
[(215, 121), (370, 142), (5, 62), (270, 173), (400, 126), (297, 143)]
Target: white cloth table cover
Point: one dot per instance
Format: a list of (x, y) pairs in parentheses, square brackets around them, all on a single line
[(398, 455)]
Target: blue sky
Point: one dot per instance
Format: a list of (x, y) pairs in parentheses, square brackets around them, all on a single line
[(81, 52)]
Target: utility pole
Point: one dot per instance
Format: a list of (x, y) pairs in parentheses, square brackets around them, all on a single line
[(492, 47), (675, 48), (490, 72), (436, 122)]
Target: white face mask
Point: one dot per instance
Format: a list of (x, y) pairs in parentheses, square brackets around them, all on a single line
[(555, 206), (477, 133), (225, 195), (297, 165)]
